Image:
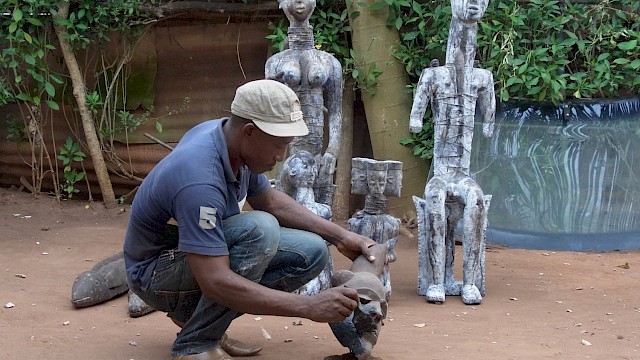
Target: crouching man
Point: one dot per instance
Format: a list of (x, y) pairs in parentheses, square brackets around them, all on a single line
[(218, 263)]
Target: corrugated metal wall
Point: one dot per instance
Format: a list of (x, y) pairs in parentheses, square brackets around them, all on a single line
[(198, 59)]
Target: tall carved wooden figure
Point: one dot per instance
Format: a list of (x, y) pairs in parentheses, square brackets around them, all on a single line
[(377, 179), (316, 77), (453, 90)]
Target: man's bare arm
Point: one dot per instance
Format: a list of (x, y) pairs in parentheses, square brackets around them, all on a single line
[(220, 284), (293, 215)]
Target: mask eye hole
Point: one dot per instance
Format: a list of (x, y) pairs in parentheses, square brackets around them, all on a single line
[(364, 301)]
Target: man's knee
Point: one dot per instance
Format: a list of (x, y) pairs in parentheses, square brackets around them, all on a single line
[(258, 227), (318, 252)]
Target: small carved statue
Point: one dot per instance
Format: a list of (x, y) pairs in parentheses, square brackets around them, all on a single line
[(316, 77), (359, 331), (453, 91), (377, 179), (297, 178)]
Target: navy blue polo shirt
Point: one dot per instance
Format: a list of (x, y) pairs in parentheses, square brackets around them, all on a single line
[(195, 186)]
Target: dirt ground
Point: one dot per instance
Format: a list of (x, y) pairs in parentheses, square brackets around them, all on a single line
[(538, 304)]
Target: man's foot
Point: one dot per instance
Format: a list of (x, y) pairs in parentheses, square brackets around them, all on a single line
[(231, 346), (238, 348), (213, 354)]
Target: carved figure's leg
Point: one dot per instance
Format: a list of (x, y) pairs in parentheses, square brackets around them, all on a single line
[(391, 257), (436, 218), (480, 280), (385, 278), (473, 237), (323, 190), (454, 213), (423, 245)]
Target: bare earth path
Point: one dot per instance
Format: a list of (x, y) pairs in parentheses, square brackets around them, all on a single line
[(539, 304)]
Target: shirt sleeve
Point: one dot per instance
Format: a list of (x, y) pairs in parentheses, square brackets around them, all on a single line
[(258, 184), (198, 210)]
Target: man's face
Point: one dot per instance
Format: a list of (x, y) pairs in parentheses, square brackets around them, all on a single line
[(261, 151)]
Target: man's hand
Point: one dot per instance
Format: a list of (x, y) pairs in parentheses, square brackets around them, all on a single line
[(332, 305), (352, 245)]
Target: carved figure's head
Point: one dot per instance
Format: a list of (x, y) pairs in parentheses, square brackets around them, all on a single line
[(376, 181), (302, 169), (359, 332), (298, 11), (469, 11)]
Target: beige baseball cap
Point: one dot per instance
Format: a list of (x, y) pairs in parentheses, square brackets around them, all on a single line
[(272, 106)]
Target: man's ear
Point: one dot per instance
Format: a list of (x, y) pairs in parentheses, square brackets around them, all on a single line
[(248, 129)]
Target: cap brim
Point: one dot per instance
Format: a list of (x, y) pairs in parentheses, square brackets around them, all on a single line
[(288, 129)]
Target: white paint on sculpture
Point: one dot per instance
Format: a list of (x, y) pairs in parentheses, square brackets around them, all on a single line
[(377, 179), (316, 77), (453, 91)]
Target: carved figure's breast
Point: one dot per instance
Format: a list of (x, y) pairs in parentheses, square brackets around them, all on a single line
[(292, 75), (317, 75)]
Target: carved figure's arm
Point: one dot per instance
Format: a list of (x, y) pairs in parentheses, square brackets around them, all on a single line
[(421, 100), (333, 103), (487, 104)]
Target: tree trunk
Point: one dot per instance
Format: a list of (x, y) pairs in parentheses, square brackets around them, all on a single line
[(88, 125), (341, 204), (389, 108)]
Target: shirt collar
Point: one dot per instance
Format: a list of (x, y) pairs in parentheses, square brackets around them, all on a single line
[(220, 142)]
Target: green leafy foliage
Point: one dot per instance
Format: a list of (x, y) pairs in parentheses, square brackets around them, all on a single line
[(540, 50), (422, 142), (16, 130), (25, 44), (68, 154), (537, 50)]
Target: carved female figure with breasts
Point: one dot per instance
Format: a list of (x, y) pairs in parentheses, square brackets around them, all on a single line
[(316, 77)]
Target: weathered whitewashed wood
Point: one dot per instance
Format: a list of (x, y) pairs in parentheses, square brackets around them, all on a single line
[(316, 77), (298, 176), (453, 91), (377, 179), (359, 331)]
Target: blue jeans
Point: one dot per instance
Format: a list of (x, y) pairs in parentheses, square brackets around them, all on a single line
[(259, 250)]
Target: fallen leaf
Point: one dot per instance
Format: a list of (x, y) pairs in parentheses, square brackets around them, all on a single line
[(265, 334)]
